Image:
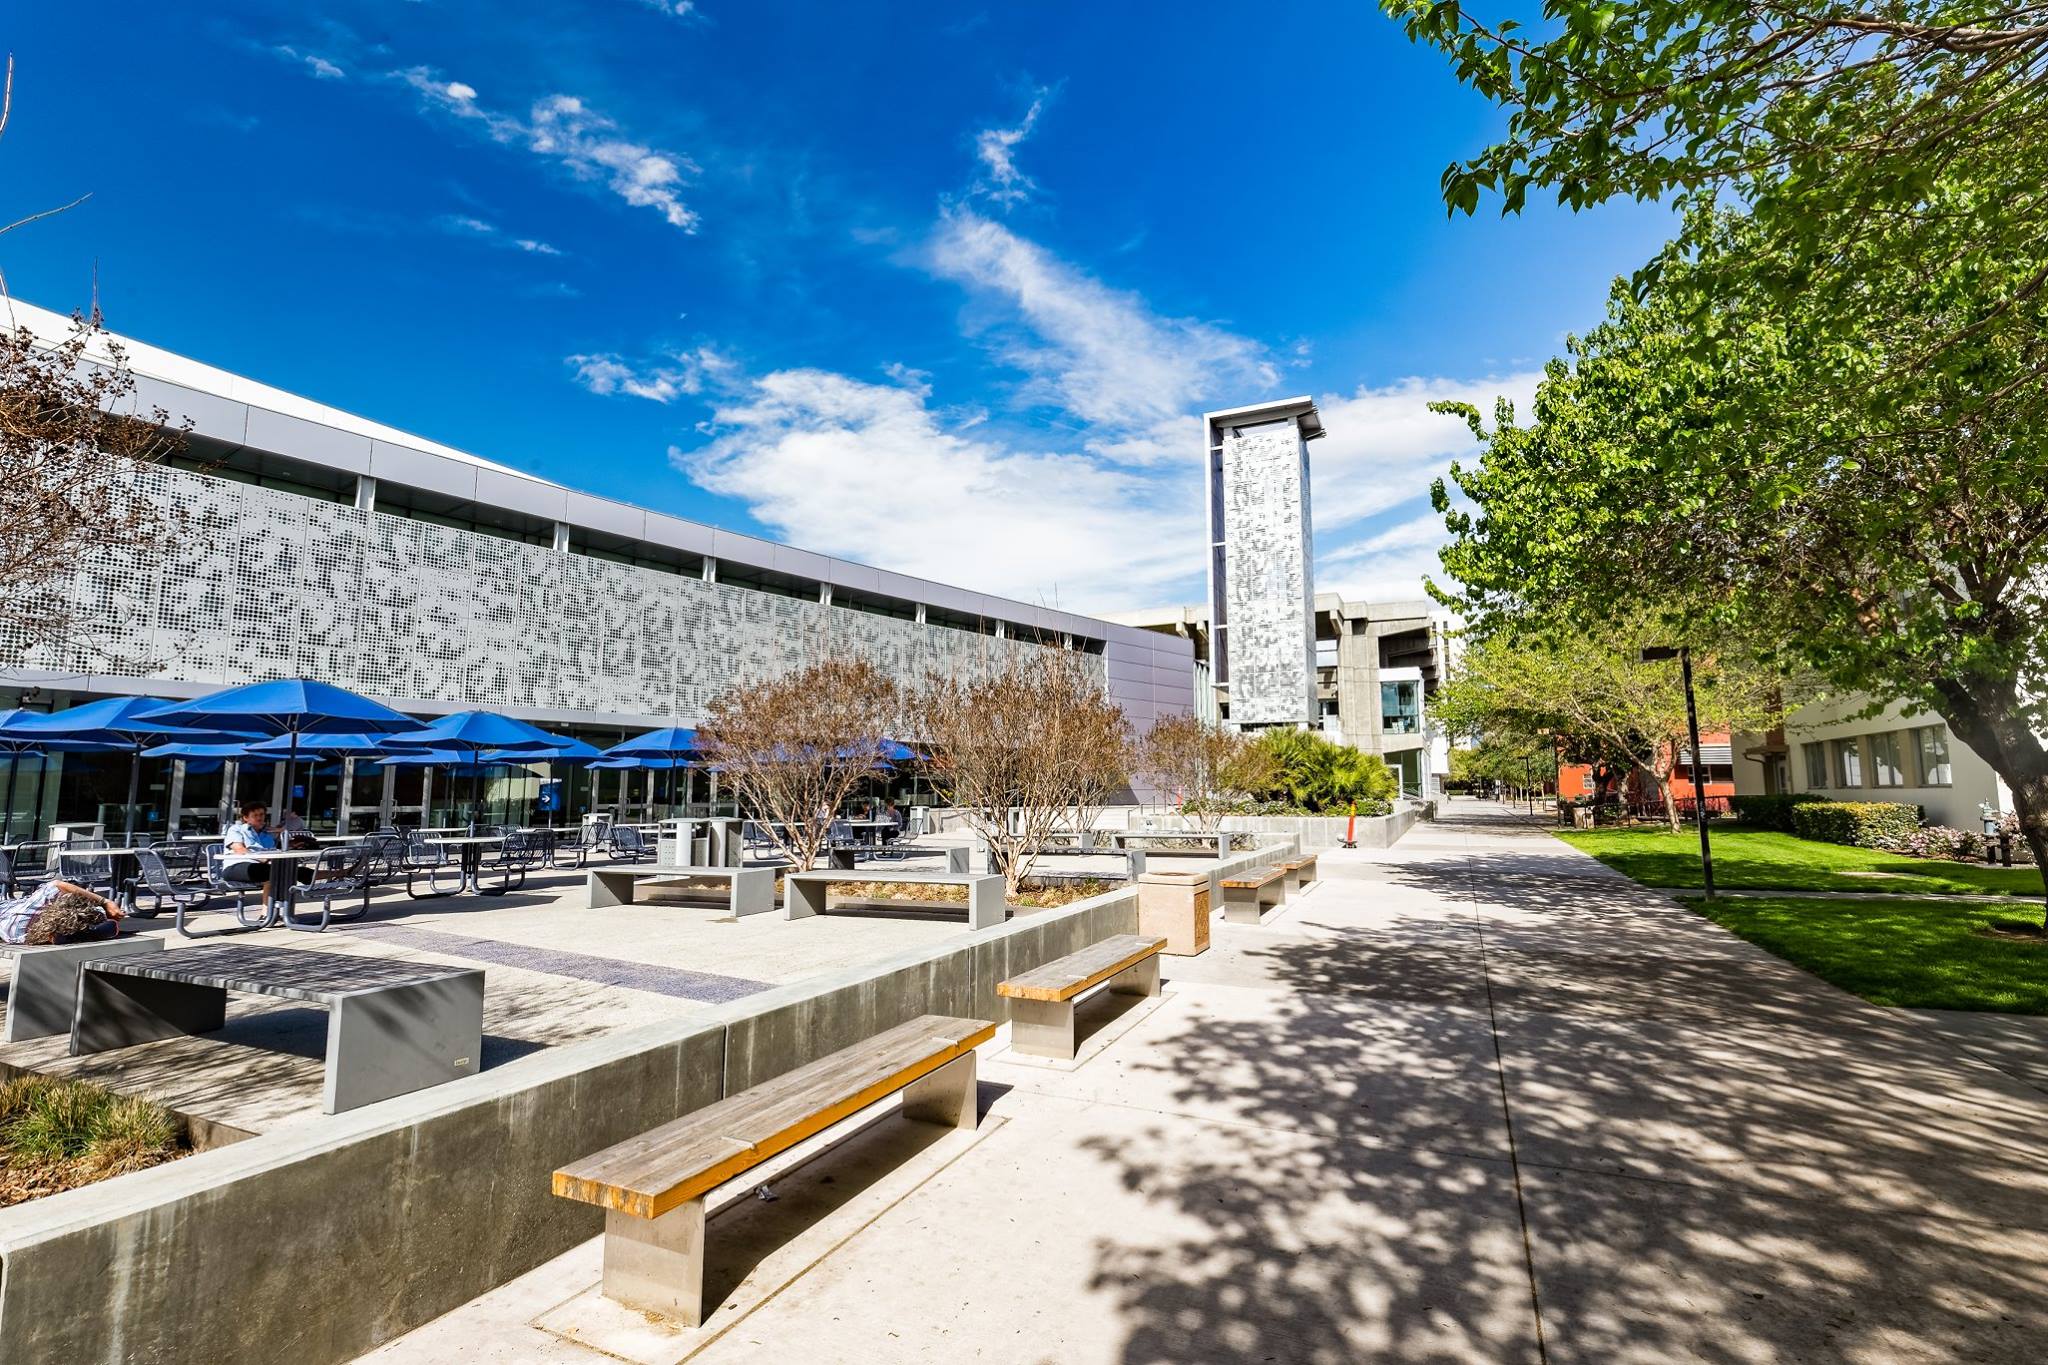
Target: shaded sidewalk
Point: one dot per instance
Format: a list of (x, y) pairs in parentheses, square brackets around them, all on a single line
[(1474, 1097)]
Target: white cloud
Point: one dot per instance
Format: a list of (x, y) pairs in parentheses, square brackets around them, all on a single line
[(1133, 376), (660, 381), (321, 68), (674, 9), (565, 130), (1385, 445), (469, 225), (1001, 181), (872, 472)]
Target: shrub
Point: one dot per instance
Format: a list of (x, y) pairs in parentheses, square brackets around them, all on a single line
[(1321, 777), (1864, 824), (1771, 812), (1937, 841)]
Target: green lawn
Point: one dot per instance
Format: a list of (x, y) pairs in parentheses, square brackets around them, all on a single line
[(1916, 954), (1761, 860)]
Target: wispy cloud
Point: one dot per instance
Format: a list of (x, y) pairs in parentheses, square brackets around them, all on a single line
[(1132, 375), (834, 461), (468, 225), (660, 381), (1001, 181), (321, 67), (565, 130), (674, 9)]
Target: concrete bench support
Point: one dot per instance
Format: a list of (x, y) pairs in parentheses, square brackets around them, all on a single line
[(44, 991)]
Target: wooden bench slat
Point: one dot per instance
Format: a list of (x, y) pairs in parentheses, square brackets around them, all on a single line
[(667, 1166), (1270, 875), (1069, 976)]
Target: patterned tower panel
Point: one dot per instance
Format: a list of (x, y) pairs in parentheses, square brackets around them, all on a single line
[(1270, 585), (257, 583)]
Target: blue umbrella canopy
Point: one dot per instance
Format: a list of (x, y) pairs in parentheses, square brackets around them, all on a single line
[(336, 745), (656, 743), (455, 760), (568, 751), (477, 731), (288, 706), (182, 749), (634, 762), (120, 723)]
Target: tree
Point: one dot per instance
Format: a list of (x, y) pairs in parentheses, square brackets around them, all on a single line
[(794, 748), (68, 453), (1205, 765), (1027, 744), (1320, 776), (1516, 688)]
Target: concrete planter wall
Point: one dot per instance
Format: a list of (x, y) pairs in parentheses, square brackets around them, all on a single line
[(1319, 832), (315, 1243)]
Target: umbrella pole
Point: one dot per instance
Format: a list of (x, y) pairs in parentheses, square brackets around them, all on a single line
[(128, 815), (7, 822)]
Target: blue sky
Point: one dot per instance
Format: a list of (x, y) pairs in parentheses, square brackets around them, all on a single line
[(937, 287)]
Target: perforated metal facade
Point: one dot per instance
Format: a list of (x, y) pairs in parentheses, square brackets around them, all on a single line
[(266, 584)]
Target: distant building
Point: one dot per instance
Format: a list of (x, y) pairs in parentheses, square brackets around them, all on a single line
[(1262, 560), (1376, 665), (1638, 791), (1899, 754)]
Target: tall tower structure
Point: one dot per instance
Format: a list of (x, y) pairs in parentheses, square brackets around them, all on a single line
[(1262, 584)]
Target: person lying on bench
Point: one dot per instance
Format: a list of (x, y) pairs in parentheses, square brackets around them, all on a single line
[(58, 912)]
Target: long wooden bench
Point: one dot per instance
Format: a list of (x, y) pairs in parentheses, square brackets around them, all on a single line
[(749, 890), (1042, 1000), (1300, 872), (1246, 898), (653, 1187), (803, 893)]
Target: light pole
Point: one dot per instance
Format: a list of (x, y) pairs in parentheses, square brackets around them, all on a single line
[(1655, 654)]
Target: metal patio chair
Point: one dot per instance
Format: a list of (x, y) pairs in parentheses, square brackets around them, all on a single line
[(338, 874)]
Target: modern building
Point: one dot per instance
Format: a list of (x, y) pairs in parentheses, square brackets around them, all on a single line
[(1901, 753), (1262, 560), (314, 543), (1375, 665)]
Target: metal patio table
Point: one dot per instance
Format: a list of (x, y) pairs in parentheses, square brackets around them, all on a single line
[(469, 848)]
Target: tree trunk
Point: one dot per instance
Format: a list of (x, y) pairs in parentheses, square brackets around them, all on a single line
[(1992, 722), (1663, 777)]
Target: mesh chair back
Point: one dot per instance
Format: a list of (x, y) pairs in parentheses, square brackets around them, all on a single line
[(154, 875), (628, 839)]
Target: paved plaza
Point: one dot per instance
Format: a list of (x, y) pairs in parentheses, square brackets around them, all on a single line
[(1470, 1098)]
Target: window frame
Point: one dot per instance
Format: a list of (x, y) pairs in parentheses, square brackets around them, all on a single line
[(1818, 775), (1938, 735), (1879, 761), (1841, 753)]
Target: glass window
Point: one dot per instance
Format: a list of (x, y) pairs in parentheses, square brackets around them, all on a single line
[(1848, 762), (1401, 707), (1816, 765), (1886, 769), (1932, 742)]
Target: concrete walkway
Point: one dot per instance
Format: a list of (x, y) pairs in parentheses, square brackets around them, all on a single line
[(1472, 1098)]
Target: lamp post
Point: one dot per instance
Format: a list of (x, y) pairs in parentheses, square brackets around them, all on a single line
[(1683, 654)]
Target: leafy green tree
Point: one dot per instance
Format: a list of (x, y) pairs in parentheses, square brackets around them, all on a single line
[(1316, 774), (1517, 686)]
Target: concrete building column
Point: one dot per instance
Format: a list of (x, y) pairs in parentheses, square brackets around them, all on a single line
[(710, 569), (561, 537), (366, 493)]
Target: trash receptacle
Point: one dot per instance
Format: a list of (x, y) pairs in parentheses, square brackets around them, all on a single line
[(1175, 906)]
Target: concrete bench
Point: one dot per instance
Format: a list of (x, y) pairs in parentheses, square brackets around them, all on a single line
[(1042, 1000), (803, 893), (44, 992), (653, 1187), (1299, 873), (393, 1026), (749, 890), (1245, 898), (1170, 845)]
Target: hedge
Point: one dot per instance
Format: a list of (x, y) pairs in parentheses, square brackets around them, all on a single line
[(1771, 812), (1865, 824)]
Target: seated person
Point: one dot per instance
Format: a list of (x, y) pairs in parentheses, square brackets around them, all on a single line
[(58, 912), (292, 832), (249, 834)]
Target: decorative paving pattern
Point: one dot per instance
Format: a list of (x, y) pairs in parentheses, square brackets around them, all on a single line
[(704, 987), (261, 583)]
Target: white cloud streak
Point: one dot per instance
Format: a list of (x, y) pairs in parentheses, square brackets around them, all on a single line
[(673, 376), (471, 226), (321, 67), (565, 130), (1002, 182), (1101, 354)]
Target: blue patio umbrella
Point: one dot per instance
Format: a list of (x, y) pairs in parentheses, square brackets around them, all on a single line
[(120, 724), (292, 707), (333, 746), (568, 751), (472, 734), (663, 750)]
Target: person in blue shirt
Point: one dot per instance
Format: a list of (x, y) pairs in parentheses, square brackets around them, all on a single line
[(249, 834)]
